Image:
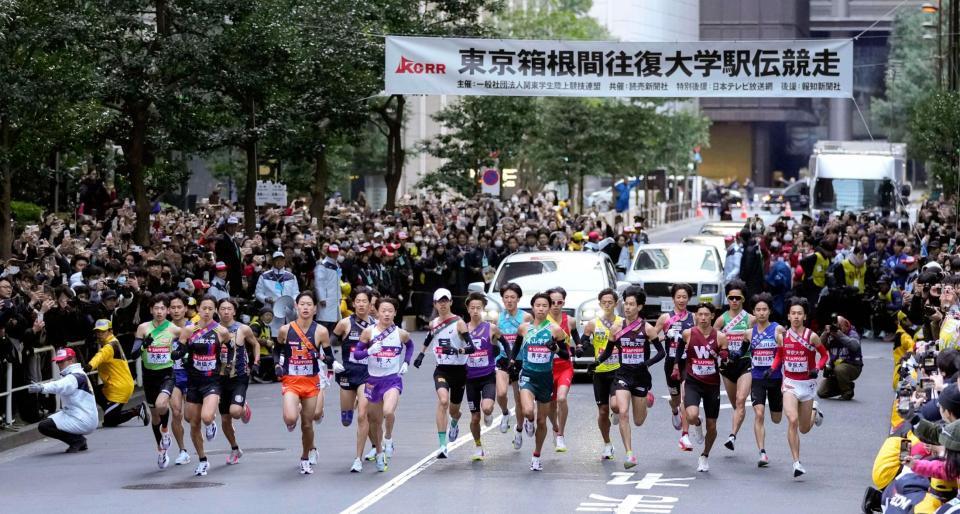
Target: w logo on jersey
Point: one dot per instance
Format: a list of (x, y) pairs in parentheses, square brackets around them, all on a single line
[(702, 352)]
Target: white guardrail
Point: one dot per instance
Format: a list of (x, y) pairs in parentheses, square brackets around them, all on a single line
[(9, 390)]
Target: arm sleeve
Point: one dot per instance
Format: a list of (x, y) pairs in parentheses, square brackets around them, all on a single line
[(428, 340), (824, 356), (517, 344), (608, 349), (360, 351), (777, 359), (137, 346), (65, 385), (408, 351), (927, 431), (931, 469), (658, 346), (563, 351), (468, 346), (104, 355), (261, 291), (328, 355)]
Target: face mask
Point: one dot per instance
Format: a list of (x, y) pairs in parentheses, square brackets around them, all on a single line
[(340, 259), (498, 243), (788, 236), (417, 239), (276, 242), (774, 244)]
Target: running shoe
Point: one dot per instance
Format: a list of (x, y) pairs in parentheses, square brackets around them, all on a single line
[(371, 455), (442, 452), (381, 462), (675, 418), (560, 444), (453, 431), (817, 415), (305, 467), (210, 431), (202, 468), (698, 433), (535, 464), (388, 448), (764, 460), (702, 465), (650, 400), (357, 466), (685, 444), (144, 413), (165, 439), (730, 442), (505, 423), (487, 420), (247, 413), (798, 470), (234, 457), (163, 460), (183, 458), (517, 441), (630, 461), (607, 452), (528, 427), (313, 456), (477, 455)]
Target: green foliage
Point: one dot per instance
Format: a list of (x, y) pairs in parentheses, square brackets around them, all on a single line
[(26, 212), (935, 136), (911, 73)]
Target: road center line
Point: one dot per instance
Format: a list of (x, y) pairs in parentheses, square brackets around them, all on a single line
[(414, 470)]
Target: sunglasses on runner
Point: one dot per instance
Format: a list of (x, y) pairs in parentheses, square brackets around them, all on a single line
[(735, 298)]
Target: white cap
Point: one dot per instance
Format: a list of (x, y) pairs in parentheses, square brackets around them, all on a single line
[(278, 253), (442, 293), (933, 265), (232, 220)]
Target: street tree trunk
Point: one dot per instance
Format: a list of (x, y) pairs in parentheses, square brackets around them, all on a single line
[(135, 154), (6, 218), (396, 154), (318, 193), (250, 187)]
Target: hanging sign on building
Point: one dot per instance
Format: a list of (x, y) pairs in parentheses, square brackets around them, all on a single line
[(516, 67)]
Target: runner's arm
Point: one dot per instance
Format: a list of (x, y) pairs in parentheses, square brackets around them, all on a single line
[(724, 352), (468, 347), (360, 351), (252, 344), (822, 350), (517, 344), (562, 349), (657, 343), (323, 336), (408, 349), (608, 349)]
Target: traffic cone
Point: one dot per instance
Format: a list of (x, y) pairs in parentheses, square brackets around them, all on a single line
[(699, 212), (788, 212), (743, 211)]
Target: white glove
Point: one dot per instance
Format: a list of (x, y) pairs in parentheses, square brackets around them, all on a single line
[(337, 367), (403, 368), (34, 387), (375, 348)]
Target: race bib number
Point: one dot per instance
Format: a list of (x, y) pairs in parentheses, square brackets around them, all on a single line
[(632, 355), (763, 358), (387, 357), (704, 369), (795, 366), (158, 356), (301, 367), (478, 359), (538, 355), (204, 363)]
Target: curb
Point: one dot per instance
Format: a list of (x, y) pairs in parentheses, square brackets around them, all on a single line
[(29, 433)]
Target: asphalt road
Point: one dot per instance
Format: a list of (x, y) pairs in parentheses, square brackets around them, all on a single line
[(119, 472)]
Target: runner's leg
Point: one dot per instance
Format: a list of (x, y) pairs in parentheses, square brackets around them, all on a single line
[(791, 411), (639, 409), (193, 417), (623, 417), (759, 432), (742, 391), (363, 422), (176, 411), (543, 409), (308, 412)]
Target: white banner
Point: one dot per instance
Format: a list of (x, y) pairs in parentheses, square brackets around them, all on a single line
[(511, 67), (271, 193)]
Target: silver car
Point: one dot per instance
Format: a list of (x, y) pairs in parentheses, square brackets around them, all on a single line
[(658, 266), (582, 274)]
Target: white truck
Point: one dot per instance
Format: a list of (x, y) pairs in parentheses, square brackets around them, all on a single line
[(858, 176)]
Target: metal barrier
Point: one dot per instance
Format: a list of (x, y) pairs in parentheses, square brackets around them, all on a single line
[(8, 392)]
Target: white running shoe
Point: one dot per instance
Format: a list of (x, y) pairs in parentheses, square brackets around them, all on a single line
[(183, 458), (388, 448), (698, 433), (517, 441), (685, 444), (630, 461), (477, 455), (560, 444), (675, 418), (487, 420), (702, 465), (442, 452), (607, 452), (817, 415), (764, 460), (381, 462), (798, 470), (210, 431), (453, 431), (313, 456), (202, 468), (165, 440), (371, 455), (528, 427), (505, 423), (305, 467), (163, 460), (357, 466), (535, 464), (234, 457)]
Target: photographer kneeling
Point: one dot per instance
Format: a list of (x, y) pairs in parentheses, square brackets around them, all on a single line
[(846, 359)]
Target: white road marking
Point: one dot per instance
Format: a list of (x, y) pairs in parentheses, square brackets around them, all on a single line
[(421, 465)]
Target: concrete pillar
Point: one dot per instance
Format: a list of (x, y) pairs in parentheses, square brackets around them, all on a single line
[(761, 160), (841, 119)]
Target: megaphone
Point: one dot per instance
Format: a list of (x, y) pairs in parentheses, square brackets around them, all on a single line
[(285, 308)]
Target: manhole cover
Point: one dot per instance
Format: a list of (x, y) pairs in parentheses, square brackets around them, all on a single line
[(248, 450), (173, 485)]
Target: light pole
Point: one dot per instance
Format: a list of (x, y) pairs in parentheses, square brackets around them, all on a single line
[(929, 8)]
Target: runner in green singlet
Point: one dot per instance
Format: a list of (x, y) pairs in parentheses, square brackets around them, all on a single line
[(736, 324)]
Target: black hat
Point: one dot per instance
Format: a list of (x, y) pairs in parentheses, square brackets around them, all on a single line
[(950, 399), (108, 294)]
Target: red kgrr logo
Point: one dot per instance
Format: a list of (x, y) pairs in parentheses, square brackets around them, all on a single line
[(408, 66)]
